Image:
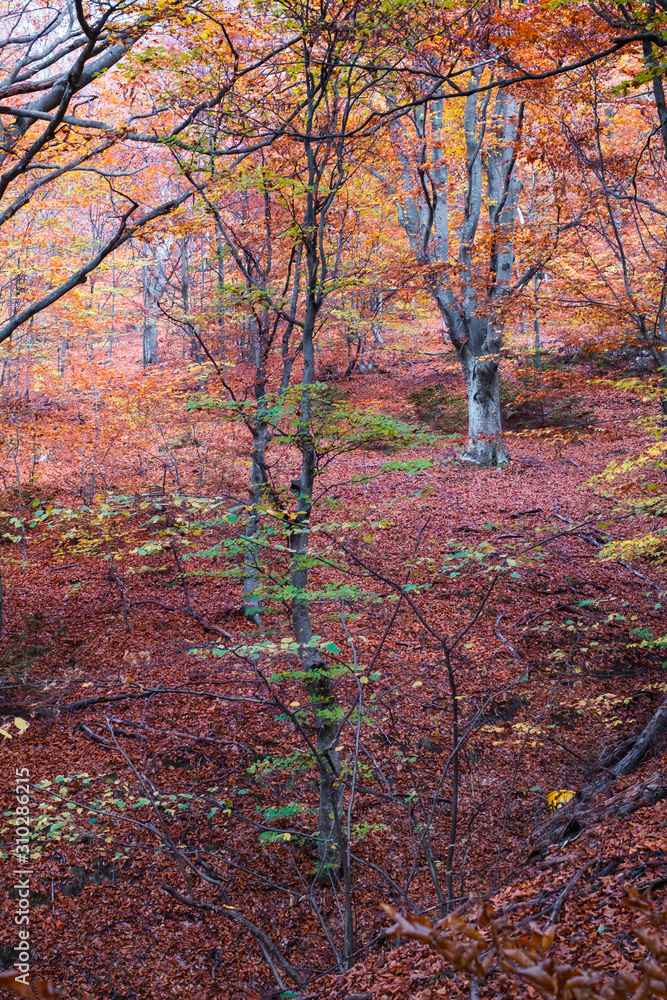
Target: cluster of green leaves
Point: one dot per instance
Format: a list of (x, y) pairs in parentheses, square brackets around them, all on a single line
[(271, 814), (591, 637), (109, 526), (647, 640), (76, 805), (336, 426), (486, 557)]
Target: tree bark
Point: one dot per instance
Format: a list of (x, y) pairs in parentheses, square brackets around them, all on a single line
[(644, 742), (318, 682), (473, 327), (258, 486), (195, 347), (154, 280), (485, 446)]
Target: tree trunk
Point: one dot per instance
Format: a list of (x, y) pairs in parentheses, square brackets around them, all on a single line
[(62, 355), (643, 743), (154, 280), (485, 445), (377, 304), (258, 483), (473, 326), (149, 332), (478, 350), (318, 682), (195, 347), (221, 292), (536, 323)]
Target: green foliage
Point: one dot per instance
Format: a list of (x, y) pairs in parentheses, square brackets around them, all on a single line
[(412, 467), (299, 761), (335, 425), (270, 815), (362, 830), (488, 558), (78, 805), (267, 647), (647, 640)]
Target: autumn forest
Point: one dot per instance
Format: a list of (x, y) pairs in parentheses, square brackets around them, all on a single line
[(333, 538)]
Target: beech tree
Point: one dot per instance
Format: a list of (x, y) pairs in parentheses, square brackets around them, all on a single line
[(294, 195), (469, 272), (154, 282)]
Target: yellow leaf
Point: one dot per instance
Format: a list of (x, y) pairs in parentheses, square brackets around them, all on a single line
[(294, 704), (21, 724), (287, 836), (417, 684), (5, 733)]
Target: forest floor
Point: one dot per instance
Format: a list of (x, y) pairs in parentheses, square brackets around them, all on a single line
[(555, 645)]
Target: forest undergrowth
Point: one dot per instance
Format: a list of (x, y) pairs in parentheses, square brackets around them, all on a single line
[(168, 738)]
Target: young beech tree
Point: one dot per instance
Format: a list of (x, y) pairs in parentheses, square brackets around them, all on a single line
[(286, 229), (468, 266), (251, 219)]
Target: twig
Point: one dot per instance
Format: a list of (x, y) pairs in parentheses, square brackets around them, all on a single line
[(622, 562), (148, 693), (656, 883), (216, 963), (159, 604), (233, 914), (555, 912), (513, 650), (93, 736)]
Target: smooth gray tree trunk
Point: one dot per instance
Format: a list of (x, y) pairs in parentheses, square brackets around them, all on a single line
[(154, 281), (194, 345), (474, 327)]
